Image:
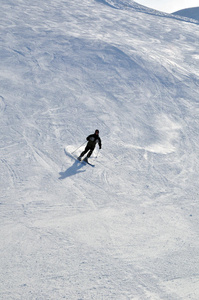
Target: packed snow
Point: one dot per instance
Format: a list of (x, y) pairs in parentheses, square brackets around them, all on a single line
[(127, 228)]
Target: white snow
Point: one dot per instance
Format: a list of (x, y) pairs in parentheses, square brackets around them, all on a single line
[(127, 228)]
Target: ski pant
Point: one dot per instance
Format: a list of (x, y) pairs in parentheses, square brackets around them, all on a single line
[(88, 148)]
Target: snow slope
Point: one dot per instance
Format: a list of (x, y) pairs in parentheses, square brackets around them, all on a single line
[(127, 228), (192, 12)]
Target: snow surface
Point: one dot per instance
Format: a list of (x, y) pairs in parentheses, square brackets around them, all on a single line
[(127, 228), (192, 12)]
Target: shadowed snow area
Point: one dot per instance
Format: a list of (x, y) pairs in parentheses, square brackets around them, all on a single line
[(192, 12), (128, 227)]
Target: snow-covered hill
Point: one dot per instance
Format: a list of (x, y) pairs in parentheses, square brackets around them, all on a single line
[(192, 13), (127, 228)]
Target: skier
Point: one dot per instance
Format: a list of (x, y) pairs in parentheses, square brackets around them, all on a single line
[(92, 139)]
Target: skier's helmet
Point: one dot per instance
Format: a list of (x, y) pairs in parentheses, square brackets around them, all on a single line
[(96, 131)]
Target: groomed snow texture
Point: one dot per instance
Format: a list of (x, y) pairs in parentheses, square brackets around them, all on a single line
[(127, 228)]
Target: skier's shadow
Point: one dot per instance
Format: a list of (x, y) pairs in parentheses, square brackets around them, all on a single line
[(74, 169)]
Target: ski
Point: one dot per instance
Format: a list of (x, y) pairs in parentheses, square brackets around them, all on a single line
[(76, 158), (86, 163)]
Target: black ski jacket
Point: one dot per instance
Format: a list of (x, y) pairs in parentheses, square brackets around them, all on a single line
[(93, 139)]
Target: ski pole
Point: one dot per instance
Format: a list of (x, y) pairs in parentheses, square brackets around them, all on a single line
[(97, 154), (78, 147)]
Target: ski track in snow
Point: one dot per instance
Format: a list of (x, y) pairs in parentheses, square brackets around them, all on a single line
[(127, 228), (11, 171), (2, 105)]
